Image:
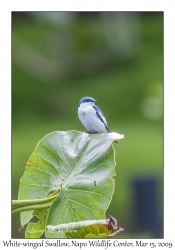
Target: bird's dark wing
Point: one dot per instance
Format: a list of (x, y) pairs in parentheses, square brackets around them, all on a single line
[(100, 115)]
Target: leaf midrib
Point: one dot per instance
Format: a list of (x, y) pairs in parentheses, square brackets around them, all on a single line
[(75, 168)]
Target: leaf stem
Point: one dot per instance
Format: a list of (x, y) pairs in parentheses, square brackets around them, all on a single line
[(26, 205), (31, 207)]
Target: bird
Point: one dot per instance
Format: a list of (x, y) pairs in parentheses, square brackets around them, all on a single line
[(91, 116)]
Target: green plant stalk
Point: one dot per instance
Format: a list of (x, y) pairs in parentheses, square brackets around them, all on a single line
[(31, 207), (26, 205)]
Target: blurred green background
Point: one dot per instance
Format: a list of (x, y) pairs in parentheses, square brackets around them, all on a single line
[(115, 57)]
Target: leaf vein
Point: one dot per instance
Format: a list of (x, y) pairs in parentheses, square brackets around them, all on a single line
[(52, 165), (63, 153), (85, 191), (80, 204)]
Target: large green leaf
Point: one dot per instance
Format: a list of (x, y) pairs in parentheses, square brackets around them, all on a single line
[(81, 166)]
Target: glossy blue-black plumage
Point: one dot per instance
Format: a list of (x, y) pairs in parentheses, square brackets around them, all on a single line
[(100, 116)]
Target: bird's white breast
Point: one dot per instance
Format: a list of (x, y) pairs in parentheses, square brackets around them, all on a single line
[(89, 119)]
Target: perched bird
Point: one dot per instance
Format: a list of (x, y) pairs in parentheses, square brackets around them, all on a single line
[(91, 116)]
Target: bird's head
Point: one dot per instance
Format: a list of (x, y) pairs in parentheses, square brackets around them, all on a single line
[(87, 101)]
